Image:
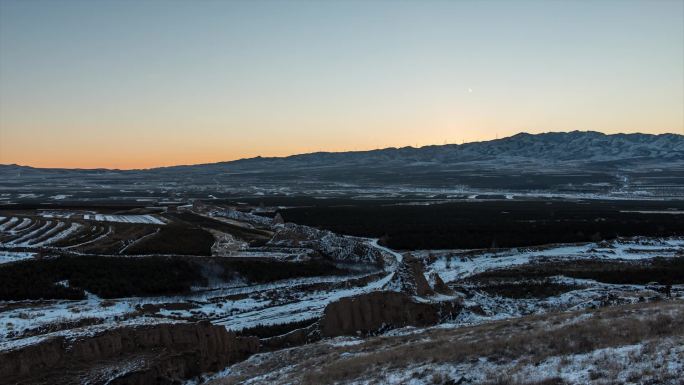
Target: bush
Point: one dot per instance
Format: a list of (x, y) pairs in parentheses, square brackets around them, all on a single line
[(466, 225), (108, 277), (269, 271), (661, 270), (177, 240), (116, 277)]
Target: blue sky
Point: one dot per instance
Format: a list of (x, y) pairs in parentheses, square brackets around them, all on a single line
[(148, 83)]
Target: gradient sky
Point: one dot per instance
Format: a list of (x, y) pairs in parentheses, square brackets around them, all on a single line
[(134, 84)]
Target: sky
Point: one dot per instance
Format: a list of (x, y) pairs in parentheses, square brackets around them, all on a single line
[(138, 84)]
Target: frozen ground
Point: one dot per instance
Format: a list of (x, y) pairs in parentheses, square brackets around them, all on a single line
[(629, 364), (12, 256), (57, 236), (31, 232), (635, 344), (306, 307), (149, 219), (239, 306), (458, 264)]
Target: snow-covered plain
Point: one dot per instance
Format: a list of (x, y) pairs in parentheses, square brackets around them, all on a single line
[(240, 306), (518, 351), (628, 363), (458, 264)]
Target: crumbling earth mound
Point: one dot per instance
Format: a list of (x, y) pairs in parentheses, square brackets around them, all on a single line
[(159, 354), (373, 312), (409, 278), (328, 244)]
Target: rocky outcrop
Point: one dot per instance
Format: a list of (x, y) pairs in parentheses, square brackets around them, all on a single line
[(294, 338), (409, 278), (438, 285), (333, 246), (240, 216), (160, 354), (368, 313)]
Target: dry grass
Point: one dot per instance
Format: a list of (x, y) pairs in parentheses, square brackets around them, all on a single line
[(527, 337), (505, 379), (531, 339)]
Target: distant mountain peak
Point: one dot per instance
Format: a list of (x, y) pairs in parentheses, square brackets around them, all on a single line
[(549, 148)]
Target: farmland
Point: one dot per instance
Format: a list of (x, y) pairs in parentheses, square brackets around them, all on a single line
[(74, 271)]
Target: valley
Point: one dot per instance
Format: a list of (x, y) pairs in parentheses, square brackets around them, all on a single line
[(272, 270), (531, 259)]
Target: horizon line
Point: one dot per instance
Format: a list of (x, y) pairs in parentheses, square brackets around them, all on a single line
[(331, 152)]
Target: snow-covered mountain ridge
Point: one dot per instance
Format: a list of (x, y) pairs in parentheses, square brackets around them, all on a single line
[(574, 162), (554, 147)]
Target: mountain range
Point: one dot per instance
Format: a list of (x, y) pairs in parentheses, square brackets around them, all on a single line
[(522, 161)]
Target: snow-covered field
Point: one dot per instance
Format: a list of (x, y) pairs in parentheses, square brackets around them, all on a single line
[(147, 218), (306, 307), (9, 223), (560, 348), (30, 232), (23, 240), (25, 223), (273, 303), (458, 264), (242, 306), (623, 364), (12, 256), (238, 305), (66, 214), (74, 227)]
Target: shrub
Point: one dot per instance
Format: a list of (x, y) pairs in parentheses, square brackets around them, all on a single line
[(108, 277)]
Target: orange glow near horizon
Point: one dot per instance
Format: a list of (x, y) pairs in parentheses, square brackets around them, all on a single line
[(172, 153)]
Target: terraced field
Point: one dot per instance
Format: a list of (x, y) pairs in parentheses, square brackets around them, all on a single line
[(36, 231), (71, 274), (83, 233)]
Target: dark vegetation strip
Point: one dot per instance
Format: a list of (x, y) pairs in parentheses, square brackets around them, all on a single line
[(85, 234), (661, 270), (123, 233), (103, 207), (254, 236), (50, 232), (174, 239), (493, 223), (44, 228), (311, 201), (11, 226), (527, 289), (116, 277), (518, 339), (269, 271), (108, 277)]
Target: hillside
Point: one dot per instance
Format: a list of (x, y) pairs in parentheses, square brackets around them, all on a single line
[(572, 162), (635, 344)]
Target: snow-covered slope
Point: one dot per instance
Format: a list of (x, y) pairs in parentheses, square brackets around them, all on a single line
[(554, 147), (523, 162), (551, 147), (336, 247)]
